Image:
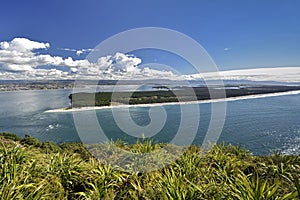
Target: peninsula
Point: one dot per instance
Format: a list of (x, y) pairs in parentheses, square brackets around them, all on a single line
[(177, 94)]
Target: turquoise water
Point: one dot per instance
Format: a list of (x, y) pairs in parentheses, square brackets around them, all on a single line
[(262, 125)]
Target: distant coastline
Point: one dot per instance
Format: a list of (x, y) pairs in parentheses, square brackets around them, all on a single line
[(256, 96), (23, 85)]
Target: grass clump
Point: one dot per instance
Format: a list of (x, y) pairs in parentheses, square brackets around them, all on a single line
[(30, 169)]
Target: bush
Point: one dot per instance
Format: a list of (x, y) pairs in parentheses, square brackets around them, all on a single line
[(44, 170), (10, 136)]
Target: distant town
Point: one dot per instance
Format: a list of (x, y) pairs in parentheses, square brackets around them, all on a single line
[(15, 85)]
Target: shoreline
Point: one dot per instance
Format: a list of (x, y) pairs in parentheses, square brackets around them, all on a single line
[(255, 96)]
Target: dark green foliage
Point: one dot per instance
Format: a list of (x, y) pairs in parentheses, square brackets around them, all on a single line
[(75, 148), (176, 95), (46, 147), (30, 141), (51, 147), (10, 136), (105, 98)]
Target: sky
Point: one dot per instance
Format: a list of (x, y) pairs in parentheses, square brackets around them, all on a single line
[(236, 34)]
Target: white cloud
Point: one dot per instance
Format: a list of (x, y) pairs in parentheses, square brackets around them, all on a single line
[(23, 45), (19, 61), (279, 74), (227, 49), (78, 52), (121, 66)]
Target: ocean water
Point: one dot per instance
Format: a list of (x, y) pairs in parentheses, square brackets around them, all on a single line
[(262, 125)]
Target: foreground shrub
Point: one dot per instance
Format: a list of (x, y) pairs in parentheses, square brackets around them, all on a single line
[(30, 169)]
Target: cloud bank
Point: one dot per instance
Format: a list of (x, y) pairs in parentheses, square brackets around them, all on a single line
[(20, 59), (279, 74)]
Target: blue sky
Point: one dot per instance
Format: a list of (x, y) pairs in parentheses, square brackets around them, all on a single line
[(237, 34)]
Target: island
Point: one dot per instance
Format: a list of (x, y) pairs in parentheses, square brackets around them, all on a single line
[(176, 94)]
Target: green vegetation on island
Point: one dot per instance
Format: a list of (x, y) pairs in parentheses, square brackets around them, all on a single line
[(31, 169), (182, 94)]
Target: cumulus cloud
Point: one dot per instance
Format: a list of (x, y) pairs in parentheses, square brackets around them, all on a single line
[(18, 60), (18, 55), (122, 66), (23, 45)]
